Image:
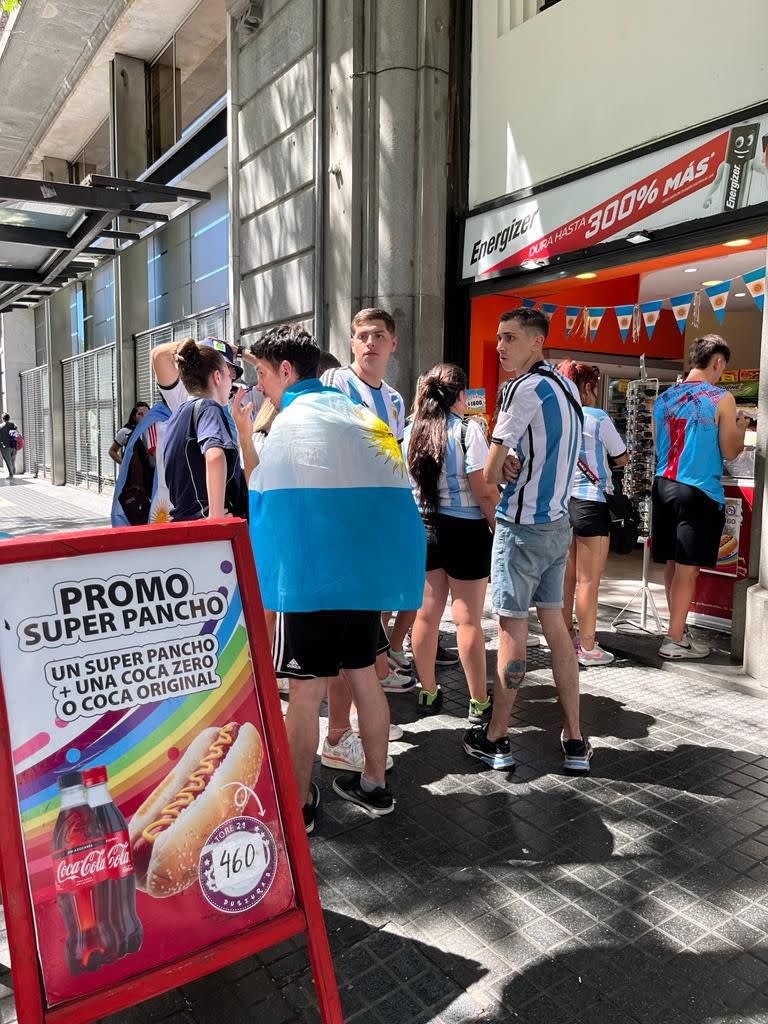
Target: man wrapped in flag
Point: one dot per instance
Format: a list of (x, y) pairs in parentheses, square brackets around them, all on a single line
[(336, 536)]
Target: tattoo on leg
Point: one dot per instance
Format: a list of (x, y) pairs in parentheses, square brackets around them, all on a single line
[(513, 674)]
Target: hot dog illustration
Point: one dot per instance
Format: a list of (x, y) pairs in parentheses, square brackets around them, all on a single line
[(171, 827)]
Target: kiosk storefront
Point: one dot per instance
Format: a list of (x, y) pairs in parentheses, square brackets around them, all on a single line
[(634, 259)]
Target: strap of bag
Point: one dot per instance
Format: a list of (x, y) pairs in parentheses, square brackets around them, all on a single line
[(576, 406), (197, 408), (463, 437), (593, 479)]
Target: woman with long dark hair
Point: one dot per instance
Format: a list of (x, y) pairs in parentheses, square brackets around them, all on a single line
[(202, 460), (445, 455), (601, 450), (117, 448)]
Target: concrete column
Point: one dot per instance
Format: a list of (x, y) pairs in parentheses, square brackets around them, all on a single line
[(755, 640), (59, 347), (129, 116), (387, 192), (17, 353), (131, 317)]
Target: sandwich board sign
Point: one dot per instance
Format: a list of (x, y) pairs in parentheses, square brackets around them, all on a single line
[(156, 832)]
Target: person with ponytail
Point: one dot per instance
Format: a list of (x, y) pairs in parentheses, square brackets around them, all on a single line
[(202, 461), (601, 450), (445, 455)]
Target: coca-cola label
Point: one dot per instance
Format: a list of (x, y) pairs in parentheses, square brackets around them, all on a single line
[(88, 864)]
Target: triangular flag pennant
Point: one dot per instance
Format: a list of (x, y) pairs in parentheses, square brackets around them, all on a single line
[(650, 311), (718, 296), (529, 303), (571, 316), (596, 314), (680, 307), (548, 308), (624, 318), (755, 282)]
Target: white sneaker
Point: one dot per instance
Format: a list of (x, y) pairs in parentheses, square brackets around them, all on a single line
[(395, 732), (687, 648), (346, 755), (597, 656), (400, 660), (397, 683)]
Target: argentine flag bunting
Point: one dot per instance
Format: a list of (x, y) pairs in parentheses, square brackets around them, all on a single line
[(332, 518)]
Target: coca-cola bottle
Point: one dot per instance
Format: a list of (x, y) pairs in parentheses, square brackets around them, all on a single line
[(117, 897), (78, 850)]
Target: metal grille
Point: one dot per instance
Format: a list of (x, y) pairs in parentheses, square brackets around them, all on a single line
[(210, 323), (90, 418), (36, 421)]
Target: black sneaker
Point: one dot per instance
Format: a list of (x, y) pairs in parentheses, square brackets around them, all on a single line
[(377, 803), (577, 755), (480, 711), (444, 657), (310, 810), (496, 754), (429, 702)]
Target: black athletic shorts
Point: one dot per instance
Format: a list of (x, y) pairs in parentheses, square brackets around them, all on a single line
[(460, 547), (687, 524), (589, 518), (310, 645)]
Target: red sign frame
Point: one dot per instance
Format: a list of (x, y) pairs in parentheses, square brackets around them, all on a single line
[(307, 916)]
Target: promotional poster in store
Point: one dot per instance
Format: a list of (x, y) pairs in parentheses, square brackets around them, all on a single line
[(148, 812), (719, 172)]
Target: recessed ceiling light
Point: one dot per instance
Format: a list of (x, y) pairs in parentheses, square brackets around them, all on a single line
[(710, 284), (586, 276), (739, 295), (690, 270), (638, 237), (735, 243)]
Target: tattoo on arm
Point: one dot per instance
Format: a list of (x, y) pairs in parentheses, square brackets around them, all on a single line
[(514, 674)]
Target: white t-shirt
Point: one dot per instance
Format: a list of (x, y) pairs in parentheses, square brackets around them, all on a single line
[(383, 401), (455, 493), (174, 394), (538, 421)]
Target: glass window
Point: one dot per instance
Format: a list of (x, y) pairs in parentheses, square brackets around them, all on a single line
[(163, 113), (94, 157), (201, 59)]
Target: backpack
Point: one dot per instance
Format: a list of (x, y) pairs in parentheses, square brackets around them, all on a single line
[(17, 440), (235, 497)]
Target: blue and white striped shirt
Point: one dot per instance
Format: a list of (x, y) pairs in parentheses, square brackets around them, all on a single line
[(383, 401), (599, 441), (455, 492), (536, 419)]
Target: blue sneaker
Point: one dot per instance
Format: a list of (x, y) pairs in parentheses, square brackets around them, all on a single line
[(495, 753), (577, 754)]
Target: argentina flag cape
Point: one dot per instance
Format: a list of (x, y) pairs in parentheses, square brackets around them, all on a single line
[(156, 418), (332, 518)]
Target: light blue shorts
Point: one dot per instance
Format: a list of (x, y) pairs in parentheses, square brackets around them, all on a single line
[(528, 566)]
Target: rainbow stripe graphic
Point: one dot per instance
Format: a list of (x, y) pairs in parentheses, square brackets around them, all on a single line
[(138, 745)]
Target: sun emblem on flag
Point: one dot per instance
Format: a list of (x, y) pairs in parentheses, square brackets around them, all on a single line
[(161, 513), (382, 440)]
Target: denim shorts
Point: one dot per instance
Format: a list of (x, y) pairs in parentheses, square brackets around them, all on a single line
[(528, 566)]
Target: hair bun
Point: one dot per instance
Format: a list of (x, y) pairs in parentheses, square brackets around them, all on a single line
[(188, 352)]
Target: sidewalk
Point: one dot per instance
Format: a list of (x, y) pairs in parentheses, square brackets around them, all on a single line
[(638, 895), (36, 506)]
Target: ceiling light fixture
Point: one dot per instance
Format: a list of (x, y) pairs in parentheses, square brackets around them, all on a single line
[(739, 295), (690, 270), (710, 284), (736, 243), (638, 237), (586, 276)]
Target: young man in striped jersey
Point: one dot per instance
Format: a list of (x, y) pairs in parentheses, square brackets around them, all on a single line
[(539, 421), (373, 342)]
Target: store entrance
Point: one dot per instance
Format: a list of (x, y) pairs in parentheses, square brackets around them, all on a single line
[(652, 309)]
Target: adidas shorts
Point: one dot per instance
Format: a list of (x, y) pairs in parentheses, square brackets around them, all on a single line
[(312, 645)]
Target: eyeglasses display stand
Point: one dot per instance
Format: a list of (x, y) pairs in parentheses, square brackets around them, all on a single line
[(638, 481)]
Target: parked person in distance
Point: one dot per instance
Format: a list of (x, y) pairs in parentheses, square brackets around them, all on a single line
[(696, 427), (601, 449), (540, 420), (8, 444), (445, 455), (117, 448), (327, 466), (202, 462)]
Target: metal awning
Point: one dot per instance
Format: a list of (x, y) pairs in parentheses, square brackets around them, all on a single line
[(52, 232)]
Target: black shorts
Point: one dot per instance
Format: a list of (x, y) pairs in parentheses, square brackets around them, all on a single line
[(460, 547), (589, 518), (311, 645), (687, 524)]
